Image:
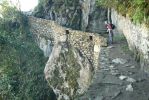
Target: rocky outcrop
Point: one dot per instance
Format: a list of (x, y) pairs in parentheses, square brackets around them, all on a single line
[(137, 36), (76, 14), (73, 56)]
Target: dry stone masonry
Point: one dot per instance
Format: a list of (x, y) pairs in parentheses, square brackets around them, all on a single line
[(73, 56), (137, 36)]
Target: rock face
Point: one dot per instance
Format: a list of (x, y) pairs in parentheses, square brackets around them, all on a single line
[(137, 37), (77, 14), (73, 56)]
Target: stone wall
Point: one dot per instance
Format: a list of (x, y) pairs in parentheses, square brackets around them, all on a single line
[(137, 36), (73, 56), (48, 32), (87, 43)]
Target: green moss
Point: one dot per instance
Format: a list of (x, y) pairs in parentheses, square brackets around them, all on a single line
[(56, 80), (69, 66), (73, 69)]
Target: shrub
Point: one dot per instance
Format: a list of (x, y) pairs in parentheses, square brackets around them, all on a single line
[(21, 61), (137, 10)]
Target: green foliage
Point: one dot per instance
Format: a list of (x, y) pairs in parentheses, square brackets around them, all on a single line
[(138, 15), (137, 10), (21, 61), (39, 11), (7, 11)]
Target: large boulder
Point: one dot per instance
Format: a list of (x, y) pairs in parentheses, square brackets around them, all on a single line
[(73, 56)]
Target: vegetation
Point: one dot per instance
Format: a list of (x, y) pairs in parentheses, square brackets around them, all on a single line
[(21, 61), (137, 10), (73, 72)]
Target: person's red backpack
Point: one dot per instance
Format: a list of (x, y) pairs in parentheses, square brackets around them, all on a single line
[(110, 26)]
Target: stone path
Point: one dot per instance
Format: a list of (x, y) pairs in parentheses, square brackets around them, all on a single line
[(118, 77)]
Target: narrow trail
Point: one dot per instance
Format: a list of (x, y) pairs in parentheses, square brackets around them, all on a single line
[(118, 77)]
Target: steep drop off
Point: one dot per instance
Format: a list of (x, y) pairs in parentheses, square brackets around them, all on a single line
[(21, 62)]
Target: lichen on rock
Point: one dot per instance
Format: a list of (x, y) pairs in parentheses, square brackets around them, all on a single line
[(72, 59)]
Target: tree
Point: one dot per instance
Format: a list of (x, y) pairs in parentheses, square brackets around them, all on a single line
[(21, 61)]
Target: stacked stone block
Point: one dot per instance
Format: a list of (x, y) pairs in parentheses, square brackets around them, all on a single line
[(88, 44)]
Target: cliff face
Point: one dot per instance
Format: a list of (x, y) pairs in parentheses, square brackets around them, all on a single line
[(73, 56), (137, 37), (77, 14)]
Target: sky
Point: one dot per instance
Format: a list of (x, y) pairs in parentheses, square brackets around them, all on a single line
[(27, 5)]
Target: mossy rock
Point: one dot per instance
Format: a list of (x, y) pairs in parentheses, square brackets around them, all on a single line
[(56, 80), (67, 63)]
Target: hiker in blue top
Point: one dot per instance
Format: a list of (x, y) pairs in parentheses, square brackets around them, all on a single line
[(109, 29)]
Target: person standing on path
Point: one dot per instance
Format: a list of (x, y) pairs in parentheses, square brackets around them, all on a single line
[(109, 29)]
